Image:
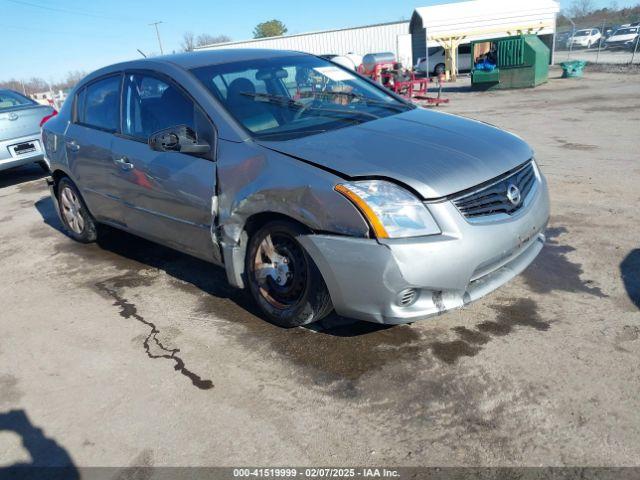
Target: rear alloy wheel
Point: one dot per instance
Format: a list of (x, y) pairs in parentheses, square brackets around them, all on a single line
[(76, 218), (440, 69), (283, 279)]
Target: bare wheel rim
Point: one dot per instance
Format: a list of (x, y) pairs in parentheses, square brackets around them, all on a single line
[(280, 270), (71, 210)]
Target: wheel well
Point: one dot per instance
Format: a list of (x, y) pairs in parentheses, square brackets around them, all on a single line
[(258, 220), (57, 175)]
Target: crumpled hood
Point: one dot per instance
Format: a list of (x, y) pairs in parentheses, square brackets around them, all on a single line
[(434, 153)]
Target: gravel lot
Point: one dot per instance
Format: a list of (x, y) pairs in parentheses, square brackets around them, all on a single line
[(127, 353)]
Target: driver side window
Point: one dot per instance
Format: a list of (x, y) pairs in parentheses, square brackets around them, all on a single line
[(151, 104)]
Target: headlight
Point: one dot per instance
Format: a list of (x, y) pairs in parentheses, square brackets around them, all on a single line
[(391, 211)]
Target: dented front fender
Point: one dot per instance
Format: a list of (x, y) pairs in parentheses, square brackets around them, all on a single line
[(255, 180)]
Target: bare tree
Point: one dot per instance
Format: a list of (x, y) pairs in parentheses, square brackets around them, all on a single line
[(581, 8), (188, 42), (206, 39)]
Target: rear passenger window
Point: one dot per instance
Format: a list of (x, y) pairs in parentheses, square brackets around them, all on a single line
[(151, 104), (100, 107)]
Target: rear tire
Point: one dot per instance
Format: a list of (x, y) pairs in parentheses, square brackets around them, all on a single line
[(77, 221), (440, 69), (283, 279)]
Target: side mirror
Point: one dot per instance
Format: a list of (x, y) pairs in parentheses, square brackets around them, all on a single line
[(180, 138)]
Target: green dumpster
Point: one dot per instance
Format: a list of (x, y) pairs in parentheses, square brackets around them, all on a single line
[(573, 68), (510, 62)]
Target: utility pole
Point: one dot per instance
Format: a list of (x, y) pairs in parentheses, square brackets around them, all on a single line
[(600, 40), (573, 34), (155, 24)]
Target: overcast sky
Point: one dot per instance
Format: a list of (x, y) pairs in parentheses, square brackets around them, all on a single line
[(49, 38)]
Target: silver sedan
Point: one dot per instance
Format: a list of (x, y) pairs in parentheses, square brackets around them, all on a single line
[(313, 187), (20, 122)]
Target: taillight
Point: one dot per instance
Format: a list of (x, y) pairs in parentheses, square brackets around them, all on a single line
[(44, 119)]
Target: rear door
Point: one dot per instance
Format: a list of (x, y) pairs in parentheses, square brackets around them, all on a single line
[(167, 195), (88, 141)]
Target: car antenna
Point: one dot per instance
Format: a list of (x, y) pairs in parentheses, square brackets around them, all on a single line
[(141, 52)]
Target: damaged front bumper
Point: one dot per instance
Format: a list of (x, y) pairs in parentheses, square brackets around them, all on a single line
[(404, 280)]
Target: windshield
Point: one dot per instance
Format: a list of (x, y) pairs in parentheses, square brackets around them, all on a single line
[(626, 31), (10, 99), (583, 33), (292, 96)]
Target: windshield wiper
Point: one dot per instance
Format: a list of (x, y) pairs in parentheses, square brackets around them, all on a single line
[(364, 98), (276, 99)]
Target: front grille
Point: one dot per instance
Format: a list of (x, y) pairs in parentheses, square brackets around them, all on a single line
[(494, 199)]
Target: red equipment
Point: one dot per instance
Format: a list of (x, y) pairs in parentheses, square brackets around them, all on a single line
[(382, 68)]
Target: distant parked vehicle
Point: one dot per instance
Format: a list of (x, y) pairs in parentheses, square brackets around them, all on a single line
[(622, 38), (436, 63), (562, 40), (586, 38), (20, 122), (607, 32)]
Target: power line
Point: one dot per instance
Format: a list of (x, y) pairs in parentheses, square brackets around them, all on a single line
[(66, 10), (58, 32)]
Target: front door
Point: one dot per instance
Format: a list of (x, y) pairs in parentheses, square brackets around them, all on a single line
[(167, 196)]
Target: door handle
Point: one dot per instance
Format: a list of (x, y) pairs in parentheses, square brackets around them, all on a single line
[(73, 145), (124, 163)]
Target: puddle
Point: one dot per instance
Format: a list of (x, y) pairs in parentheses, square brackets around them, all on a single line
[(551, 270), (520, 313), (337, 353), (336, 350)]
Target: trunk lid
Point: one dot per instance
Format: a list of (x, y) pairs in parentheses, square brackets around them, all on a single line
[(22, 121), (434, 153)]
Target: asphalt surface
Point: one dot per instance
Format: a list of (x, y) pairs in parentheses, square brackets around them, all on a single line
[(127, 353)]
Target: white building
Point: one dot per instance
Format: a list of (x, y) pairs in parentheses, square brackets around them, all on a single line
[(481, 19), (385, 37), (466, 21)]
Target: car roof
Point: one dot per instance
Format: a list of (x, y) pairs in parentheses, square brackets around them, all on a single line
[(202, 58), (189, 60)]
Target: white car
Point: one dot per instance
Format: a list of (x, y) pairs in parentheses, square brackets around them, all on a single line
[(622, 38), (436, 64), (586, 38)]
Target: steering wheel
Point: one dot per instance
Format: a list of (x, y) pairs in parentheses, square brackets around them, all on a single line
[(298, 114)]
